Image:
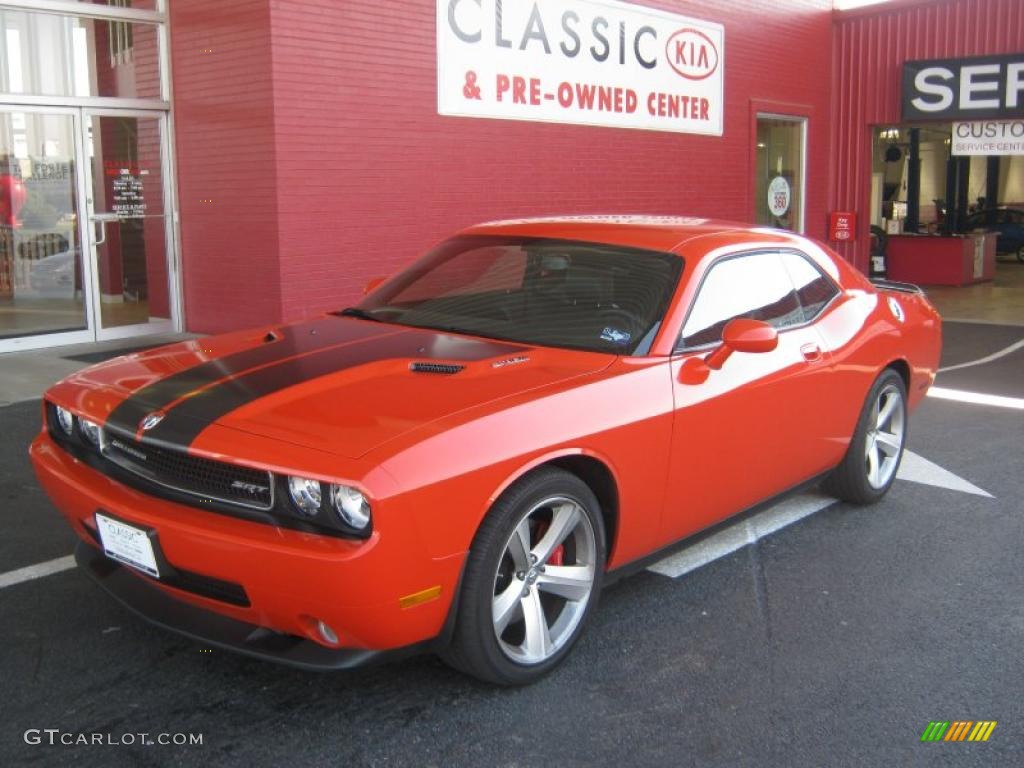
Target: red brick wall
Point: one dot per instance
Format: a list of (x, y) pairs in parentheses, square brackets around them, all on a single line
[(366, 175), (225, 149)]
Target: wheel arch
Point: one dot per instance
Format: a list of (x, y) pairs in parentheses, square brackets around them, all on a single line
[(592, 469), (902, 367)]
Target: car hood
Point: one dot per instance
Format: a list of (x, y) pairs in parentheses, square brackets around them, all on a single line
[(335, 384)]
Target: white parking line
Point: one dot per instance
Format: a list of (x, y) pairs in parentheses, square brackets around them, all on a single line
[(977, 398), (37, 571), (741, 534), (987, 359), (913, 468), (917, 469)]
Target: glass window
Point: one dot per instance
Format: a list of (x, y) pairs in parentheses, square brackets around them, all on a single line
[(45, 54), (139, 5), (483, 270), (813, 289), (754, 286), (779, 179), (560, 293), (41, 287), (127, 180)]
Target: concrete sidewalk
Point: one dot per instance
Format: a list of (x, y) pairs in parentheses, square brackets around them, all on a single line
[(26, 375)]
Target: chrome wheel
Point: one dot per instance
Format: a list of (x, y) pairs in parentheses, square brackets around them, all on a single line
[(885, 435), (544, 580)]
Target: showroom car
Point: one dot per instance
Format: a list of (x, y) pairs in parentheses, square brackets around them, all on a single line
[(460, 462), (1007, 222)]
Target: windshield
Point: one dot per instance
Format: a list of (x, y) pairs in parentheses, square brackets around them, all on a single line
[(559, 293)]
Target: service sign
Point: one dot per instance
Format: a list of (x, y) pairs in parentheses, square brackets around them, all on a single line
[(988, 137), (977, 88), (585, 62)]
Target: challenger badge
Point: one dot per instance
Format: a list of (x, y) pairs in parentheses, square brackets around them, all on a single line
[(150, 420)]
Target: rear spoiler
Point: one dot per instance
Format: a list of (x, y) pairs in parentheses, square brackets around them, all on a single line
[(893, 285)]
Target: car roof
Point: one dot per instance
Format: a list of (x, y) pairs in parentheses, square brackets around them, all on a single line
[(653, 232)]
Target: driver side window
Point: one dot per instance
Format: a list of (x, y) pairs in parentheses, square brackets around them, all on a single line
[(755, 286)]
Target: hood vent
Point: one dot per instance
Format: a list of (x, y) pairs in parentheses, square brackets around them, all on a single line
[(444, 368)]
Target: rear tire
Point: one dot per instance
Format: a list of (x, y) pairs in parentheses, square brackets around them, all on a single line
[(873, 458), (532, 578)]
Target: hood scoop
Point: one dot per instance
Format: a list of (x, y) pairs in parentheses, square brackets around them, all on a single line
[(446, 369)]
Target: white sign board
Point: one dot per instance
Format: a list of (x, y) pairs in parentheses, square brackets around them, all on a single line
[(779, 196), (988, 137), (585, 62)]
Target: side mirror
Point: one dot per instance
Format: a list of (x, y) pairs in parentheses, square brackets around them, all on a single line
[(743, 335), (372, 284), (739, 335)]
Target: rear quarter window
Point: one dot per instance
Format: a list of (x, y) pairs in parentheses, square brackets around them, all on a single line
[(813, 289)]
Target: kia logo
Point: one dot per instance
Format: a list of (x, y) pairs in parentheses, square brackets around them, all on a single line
[(151, 420), (692, 54)]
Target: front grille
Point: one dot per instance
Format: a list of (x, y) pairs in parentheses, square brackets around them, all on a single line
[(177, 470)]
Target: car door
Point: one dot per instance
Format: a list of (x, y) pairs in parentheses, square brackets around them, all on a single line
[(751, 430)]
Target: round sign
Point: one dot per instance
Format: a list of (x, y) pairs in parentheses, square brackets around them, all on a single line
[(778, 196)]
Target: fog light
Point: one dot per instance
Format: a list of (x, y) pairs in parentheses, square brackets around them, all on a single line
[(91, 430), (66, 420), (306, 494), (326, 632), (351, 506)]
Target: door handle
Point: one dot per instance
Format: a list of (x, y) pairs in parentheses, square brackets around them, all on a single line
[(811, 352), (102, 219)]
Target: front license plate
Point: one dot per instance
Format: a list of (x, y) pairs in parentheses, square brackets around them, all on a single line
[(127, 544)]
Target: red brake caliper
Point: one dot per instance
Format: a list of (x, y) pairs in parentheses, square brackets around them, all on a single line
[(557, 555)]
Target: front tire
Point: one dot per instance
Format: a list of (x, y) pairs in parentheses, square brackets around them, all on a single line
[(873, 458), (532, 578)]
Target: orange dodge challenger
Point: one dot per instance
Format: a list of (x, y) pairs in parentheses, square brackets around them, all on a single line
[(460, 461)]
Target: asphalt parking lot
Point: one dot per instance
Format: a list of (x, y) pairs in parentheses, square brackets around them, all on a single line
[(833, 641)]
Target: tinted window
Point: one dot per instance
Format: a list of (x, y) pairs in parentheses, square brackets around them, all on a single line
[(560, 293), (480, 271), (755, 286), (812, 287)]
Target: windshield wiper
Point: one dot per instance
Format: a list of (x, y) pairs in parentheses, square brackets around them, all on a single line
[(362, 314)]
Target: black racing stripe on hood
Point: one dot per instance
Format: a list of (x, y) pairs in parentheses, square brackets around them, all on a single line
[(184, 422), (292, 340)]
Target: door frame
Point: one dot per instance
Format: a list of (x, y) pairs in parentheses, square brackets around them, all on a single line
[(87, 334), (79, 106), (777, 110), (170, 240), (80, 115)]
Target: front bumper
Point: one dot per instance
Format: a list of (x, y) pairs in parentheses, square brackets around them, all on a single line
[(244, 576), (156, 607)]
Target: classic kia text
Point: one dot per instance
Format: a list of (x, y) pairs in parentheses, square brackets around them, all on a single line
[(460, 461)]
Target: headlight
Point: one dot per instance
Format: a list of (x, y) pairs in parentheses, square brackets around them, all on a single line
[(305, 494), (66, 420), (351, 506), (91, 430)]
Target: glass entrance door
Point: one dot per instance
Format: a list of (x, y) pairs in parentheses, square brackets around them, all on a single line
[(43, 278), (128, 225), (84, 238), (86, 250)]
